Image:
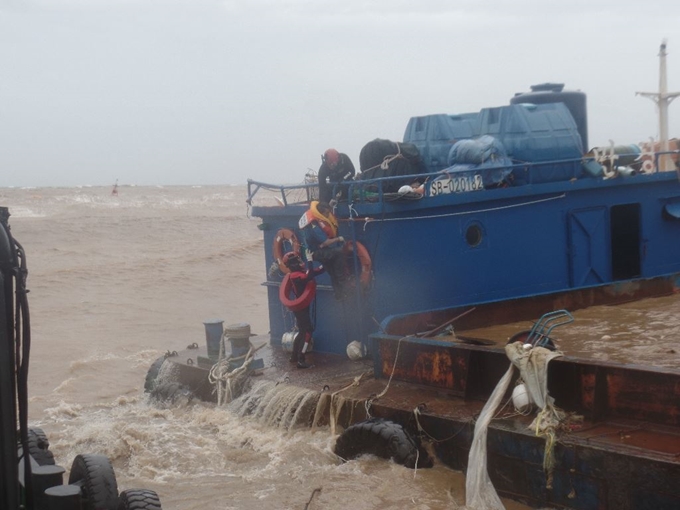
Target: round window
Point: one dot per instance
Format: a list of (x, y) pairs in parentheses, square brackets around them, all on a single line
[(473, 235)]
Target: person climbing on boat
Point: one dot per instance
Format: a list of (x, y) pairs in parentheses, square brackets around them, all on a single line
[(319, 228), (335, 168), (303, 287)]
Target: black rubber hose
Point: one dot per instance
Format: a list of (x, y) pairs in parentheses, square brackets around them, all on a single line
[(23, 343)]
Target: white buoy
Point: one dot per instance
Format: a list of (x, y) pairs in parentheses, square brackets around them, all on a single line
[(521, 398), (356, 351)]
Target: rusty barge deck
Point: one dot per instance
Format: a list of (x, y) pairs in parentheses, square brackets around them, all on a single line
[(625, 454)]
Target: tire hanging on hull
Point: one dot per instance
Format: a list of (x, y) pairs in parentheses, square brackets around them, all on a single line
[(382, 438)]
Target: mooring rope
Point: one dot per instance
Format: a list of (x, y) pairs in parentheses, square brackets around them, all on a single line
[(369, 401), (225, 379), (334, 409)]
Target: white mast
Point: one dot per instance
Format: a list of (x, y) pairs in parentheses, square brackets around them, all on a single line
[(662, 98)]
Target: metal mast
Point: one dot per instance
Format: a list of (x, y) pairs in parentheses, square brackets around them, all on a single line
[(662, 98)]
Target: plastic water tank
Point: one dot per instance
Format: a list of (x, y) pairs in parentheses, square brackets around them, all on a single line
[(575, 101)]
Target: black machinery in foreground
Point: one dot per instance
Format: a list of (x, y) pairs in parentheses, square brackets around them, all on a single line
[(29, 476)]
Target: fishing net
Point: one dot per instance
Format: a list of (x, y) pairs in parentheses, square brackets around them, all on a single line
[(480, 493)]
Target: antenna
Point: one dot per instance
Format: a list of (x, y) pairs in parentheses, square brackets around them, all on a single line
[(662, 98)]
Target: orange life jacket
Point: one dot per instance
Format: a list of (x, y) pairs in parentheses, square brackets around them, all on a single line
[(329, 223)]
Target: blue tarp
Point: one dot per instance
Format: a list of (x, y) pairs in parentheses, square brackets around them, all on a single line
[(476, 151), (484, 156)]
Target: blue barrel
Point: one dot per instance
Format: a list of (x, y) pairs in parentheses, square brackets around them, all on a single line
[(574, 100), (213, 336)]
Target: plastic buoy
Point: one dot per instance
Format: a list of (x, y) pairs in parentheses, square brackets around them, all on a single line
[(521, 398), (356, 350)]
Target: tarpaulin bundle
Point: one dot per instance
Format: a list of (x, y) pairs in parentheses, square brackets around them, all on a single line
[(480, 493), (385, 158)]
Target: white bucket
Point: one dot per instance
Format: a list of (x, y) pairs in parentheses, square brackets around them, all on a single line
[(521, 399), (287, 341)]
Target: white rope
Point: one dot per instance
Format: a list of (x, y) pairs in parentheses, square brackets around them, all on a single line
[(368, 220), (385, 163), (224, 379), (334, 408), (370, 401)]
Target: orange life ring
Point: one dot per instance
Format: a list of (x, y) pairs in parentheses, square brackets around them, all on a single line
[(283, 236), (297, 304), (364, 261)]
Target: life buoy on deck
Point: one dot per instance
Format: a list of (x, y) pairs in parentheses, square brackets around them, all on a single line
[(284, 236), (298, 303), (364, 261)]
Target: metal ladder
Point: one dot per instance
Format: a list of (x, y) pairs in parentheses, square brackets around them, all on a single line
[(539, 336)]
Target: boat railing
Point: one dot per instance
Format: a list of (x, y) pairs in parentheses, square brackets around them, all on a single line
[(390, 188)]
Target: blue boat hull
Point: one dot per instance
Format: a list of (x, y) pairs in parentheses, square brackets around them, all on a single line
[(521, 249)]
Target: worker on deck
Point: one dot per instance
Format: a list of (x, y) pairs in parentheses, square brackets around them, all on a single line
[(335, 168), (300, 278), (319, 228)]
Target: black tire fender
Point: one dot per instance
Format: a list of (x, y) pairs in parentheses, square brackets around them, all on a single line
[(97, 481), (382, 438), (152, 374), (170, 393), (138, 499), (39, 447)]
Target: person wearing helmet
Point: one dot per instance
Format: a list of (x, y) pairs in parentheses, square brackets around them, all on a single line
[(335, 168), (300, 276)]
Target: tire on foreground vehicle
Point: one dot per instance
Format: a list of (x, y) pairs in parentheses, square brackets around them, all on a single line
[(39, 447), (138, 499), (97, 481)]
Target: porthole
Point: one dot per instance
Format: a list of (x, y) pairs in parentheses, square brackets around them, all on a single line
[(473, 235)]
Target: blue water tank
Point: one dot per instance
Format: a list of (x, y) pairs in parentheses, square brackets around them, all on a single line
[(537, 133), (575, 101), (435, 134)]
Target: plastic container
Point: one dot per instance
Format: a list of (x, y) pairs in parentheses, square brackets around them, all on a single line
[(287, 341), (574, 100), (544, 135), (434, 135)]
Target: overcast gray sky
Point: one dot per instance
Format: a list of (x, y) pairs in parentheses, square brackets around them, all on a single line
[(213, 92)]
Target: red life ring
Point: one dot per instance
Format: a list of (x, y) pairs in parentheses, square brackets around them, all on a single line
[(283, 236), (298, 303), (364, 261)]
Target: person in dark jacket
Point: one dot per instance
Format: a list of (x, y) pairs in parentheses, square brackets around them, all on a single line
[(319, 228), (300, 277), (336, 167)]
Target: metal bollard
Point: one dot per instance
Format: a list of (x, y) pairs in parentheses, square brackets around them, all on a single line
[(43, 478)]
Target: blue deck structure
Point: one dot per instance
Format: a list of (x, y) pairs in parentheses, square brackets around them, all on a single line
[(548, 228)]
